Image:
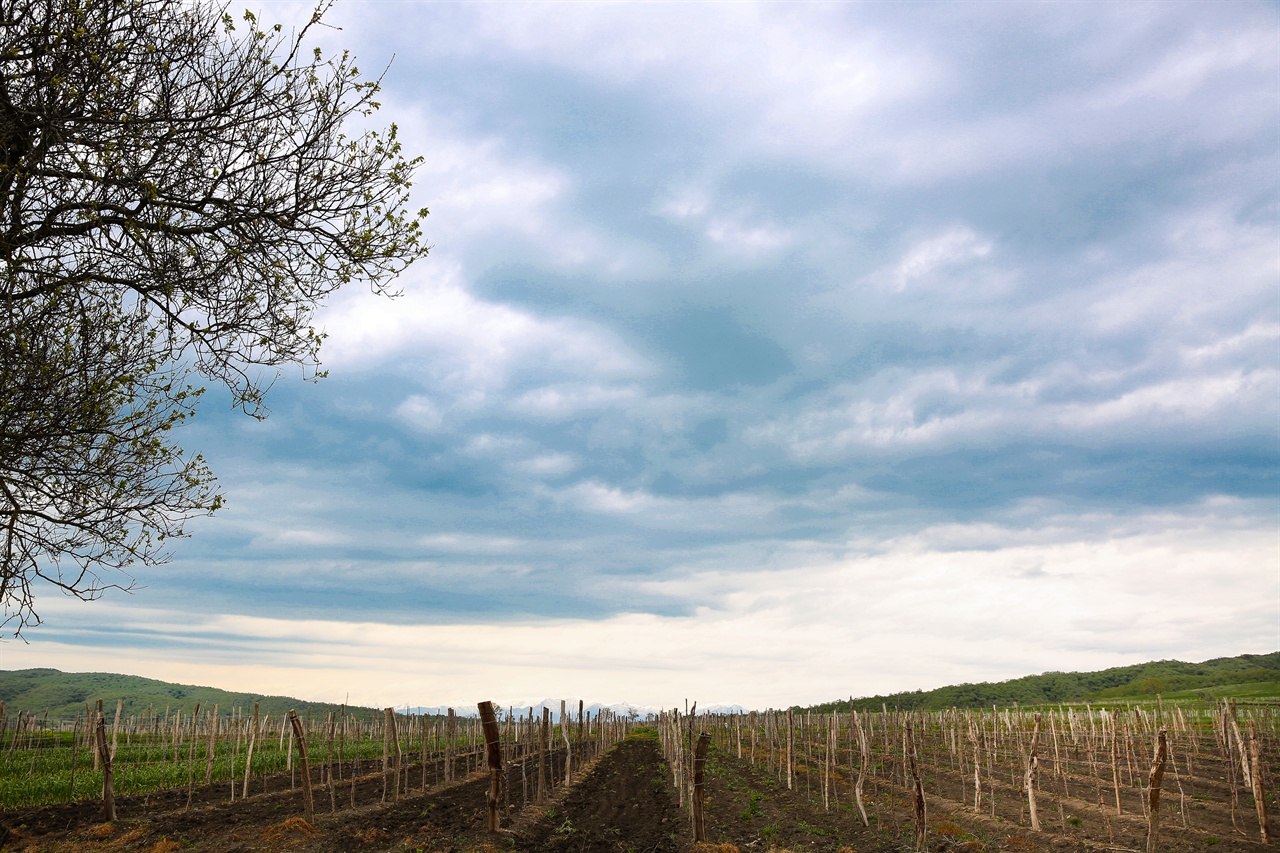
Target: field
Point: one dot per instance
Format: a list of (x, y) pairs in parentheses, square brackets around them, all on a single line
[(830, 782)]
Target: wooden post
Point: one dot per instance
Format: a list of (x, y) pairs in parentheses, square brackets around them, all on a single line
[(191, 755), (450, 735), (1255, 774), (922, 826), (493, 751), (104, 760), (300, 737), (1154, 781), (333, 786), (97, 758), (790, 744), (248, 756), (864, 757), (568, 746), (1033, 765), (75, 751), (115, 727), (699, 767), (1115, 765), (977, 766), (388, 724), (210, 748), (544, 738)]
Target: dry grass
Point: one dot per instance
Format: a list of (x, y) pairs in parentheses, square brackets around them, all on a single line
[(164, 845), (371, 835), (707, 847), (293, 827)]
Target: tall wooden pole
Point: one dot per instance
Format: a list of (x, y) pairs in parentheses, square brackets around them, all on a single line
[(699, 767), (922, 825), (493, 751), (1153, 791), (104, 759), (1033, 767), (1255, 774), (307, 803)]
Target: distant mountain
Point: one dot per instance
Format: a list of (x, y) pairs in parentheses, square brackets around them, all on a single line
[(1244, 676), (522, 709)]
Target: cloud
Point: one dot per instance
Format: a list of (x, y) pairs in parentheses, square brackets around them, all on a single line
[(769, 330), (918, 613)]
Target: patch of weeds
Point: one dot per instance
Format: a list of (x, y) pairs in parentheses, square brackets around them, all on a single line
[(771, 830), (1212, 840), (814, 830), (1075, 821)]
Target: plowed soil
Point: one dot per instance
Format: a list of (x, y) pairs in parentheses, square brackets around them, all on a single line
[(752, 808), (624, 803)]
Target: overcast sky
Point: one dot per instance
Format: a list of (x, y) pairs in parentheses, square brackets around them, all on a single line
[(766, 354)]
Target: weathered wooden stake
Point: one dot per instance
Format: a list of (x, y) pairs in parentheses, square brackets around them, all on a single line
[(544, 745), (1154, 781), (493, 751), (699, 767), (1255, 775), (248, 756), (1033, 765), (922, 826), (389, 734), (864, 757), (104, 761), (75, 751), (301, 738), (209, 749), (191, 755)]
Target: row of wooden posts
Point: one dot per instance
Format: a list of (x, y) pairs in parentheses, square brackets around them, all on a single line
[(686, 752), (609, 729)]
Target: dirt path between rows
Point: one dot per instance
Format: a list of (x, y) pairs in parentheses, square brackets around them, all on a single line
[(624, 805)]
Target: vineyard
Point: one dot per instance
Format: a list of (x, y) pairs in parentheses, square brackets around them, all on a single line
[(1175, 777)]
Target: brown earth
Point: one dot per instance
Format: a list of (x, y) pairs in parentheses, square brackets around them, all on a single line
[(625, 803), (751, 808)]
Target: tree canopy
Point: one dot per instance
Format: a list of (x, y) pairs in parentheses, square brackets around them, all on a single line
[(180, 190)]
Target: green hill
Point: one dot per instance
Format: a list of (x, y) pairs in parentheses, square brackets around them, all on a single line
[(1244, 676), (62, 695)]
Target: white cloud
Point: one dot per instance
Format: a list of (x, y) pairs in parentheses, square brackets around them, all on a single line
[(549, 465), (924, 610), (466, 345), (956, 245), (420, 413)]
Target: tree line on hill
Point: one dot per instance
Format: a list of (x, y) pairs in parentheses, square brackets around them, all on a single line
[(1137, 681)]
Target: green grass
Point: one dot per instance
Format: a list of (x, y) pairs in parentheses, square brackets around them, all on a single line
[(42, 773)]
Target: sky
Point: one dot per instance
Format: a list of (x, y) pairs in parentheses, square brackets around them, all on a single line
[(766, 354)]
